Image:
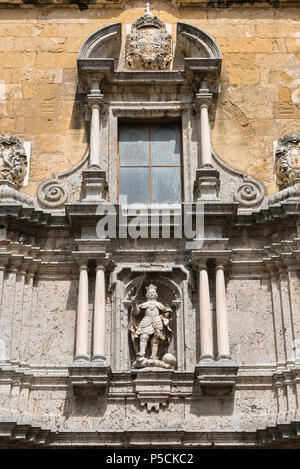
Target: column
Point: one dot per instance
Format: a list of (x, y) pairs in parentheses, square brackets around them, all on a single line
[(82, 315), (205, 135), (206, 321), (221, 315), (95, 134), (99, 316), (95, 99)]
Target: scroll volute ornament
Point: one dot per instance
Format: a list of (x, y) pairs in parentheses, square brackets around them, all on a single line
[(13, 160), (149, 45), (287, 159)]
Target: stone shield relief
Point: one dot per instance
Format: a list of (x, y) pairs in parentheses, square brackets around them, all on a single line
[(148, 46)]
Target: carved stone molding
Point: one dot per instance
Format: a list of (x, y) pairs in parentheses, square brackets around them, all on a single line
[(236, 186), (149, 45), (13, 160), (64, 187)]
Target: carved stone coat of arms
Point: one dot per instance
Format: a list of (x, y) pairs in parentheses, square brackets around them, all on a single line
[(149, 45), (288, 159)]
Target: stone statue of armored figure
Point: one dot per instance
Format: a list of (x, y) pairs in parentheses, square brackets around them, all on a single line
[(151, 332)]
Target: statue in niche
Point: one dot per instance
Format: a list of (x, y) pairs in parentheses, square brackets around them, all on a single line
[(151, 335)]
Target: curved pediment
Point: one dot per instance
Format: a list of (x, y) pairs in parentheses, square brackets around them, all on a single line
[(102, 44), (195, 43)]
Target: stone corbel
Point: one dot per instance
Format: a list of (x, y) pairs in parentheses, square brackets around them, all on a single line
[(88, 380), (153, 388), (216, 378)]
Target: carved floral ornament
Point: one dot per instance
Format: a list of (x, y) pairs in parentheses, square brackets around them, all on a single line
[(149, 45), (13, 160), (287, 159)]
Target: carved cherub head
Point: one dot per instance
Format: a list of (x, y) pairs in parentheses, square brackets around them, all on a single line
[(151, 292)]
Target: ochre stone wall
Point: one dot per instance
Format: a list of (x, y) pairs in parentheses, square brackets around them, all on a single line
[(260, 79)]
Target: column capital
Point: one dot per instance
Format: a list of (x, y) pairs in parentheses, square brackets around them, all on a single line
[(95, 100), (203, 99), (199, 262), (222, 263)]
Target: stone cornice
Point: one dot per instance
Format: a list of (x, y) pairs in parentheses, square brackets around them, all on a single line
[(210, 4)]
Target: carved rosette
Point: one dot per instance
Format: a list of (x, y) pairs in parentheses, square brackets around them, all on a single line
[(149, 45), (13, 160), (287, 159)]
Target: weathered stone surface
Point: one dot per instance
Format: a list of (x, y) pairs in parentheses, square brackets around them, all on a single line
[(41, 247)]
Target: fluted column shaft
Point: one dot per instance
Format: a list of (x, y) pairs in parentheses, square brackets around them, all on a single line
[(206, 321), (205, 135), (95, 135), (99, 315), (82, 314), (221, 314)]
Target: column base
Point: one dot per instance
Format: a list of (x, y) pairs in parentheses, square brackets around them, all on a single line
[(225, 357), (206, 359), (93, 184), (207, 183), (99, 360), (82, 358)]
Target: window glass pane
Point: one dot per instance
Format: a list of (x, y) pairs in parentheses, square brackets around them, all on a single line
[(134, 182), (165, 145), (166, 185), (134, 145)]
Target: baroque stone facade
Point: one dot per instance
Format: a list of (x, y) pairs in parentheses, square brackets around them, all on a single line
[(189, 339)]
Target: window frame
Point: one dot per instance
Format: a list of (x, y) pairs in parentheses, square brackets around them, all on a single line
[(149, 124)]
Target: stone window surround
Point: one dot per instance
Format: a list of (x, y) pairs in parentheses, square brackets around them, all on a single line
[(155, 111)]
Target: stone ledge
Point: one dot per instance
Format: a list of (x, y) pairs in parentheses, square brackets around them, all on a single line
[(89, 379), (28, 435), (216, 378), (218, 4)]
